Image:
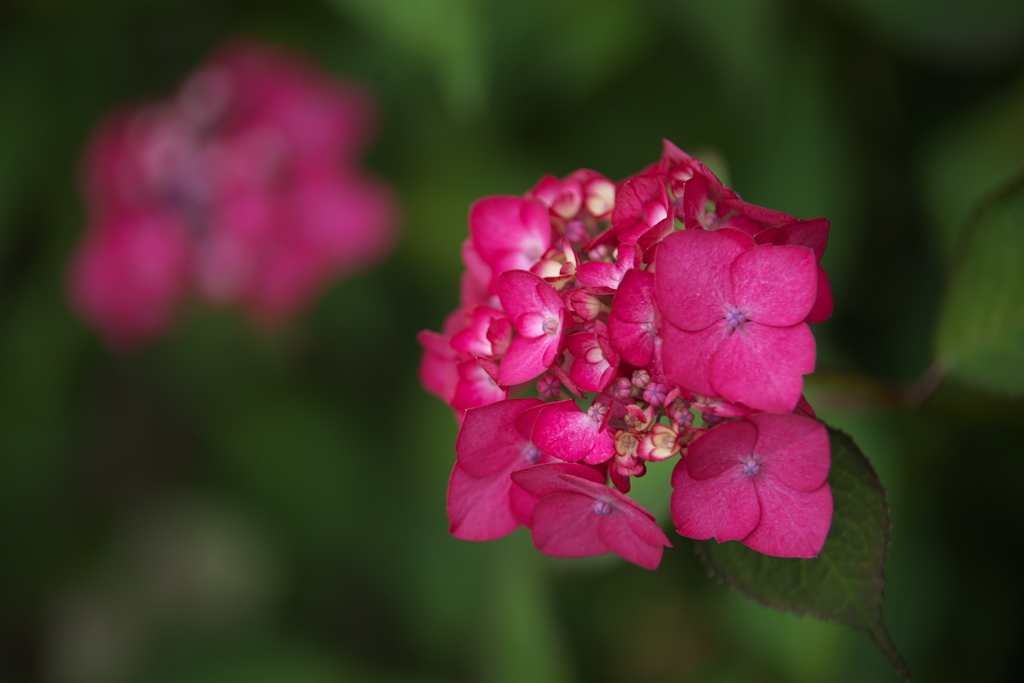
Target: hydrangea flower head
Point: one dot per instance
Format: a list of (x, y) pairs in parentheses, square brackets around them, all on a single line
[(630, 309), (243, 188)]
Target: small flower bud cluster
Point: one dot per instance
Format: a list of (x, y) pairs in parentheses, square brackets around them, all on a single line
[(632, 308), (244, 189)]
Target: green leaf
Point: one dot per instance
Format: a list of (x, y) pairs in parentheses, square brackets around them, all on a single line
[(957, 32), (980, 336), (846, 582), (969, 159), (444, 34)]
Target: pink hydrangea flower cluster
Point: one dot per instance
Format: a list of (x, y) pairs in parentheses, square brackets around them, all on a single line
[(660, 318), (243, 189)]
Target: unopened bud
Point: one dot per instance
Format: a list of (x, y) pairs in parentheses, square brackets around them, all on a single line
[(548, 386), (656, 392), (621, 389)]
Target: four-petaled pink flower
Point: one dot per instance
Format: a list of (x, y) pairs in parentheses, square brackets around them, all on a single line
[(577, 515), (735, 317), (760, 480)]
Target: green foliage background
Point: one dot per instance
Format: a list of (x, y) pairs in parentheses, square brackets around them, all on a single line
[(226, 505)]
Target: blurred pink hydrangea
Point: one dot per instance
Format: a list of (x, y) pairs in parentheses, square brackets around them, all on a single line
[(243, 188)]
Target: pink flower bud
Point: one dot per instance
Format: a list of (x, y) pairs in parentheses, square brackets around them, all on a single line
[(621, 388), (585, 304), (655, 393), (641, 378), (548, 386)]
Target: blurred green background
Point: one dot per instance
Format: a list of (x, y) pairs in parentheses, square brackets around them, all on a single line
[(226, 505)]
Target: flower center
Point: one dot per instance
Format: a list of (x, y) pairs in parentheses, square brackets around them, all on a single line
[(531, 454), (550, 325), (751, 466), (603, 508), (734, 317)]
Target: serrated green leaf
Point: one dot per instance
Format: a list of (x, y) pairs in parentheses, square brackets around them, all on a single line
[(846, 582), (980, 336)]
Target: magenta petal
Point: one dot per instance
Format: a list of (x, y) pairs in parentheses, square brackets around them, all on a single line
[(619, 534), (634, 300), (822, 309), (775, 285), (438, 371), (522, 503), (544, 480), (725, 507), (510, 228), (793, 523), (525, 359), (692, 279), (810, 232), (641, 521), (517, 290), (602, 450), (475, 387), (478, 507), (795, 450), (769, 218), (566, 525), (763, 366), (488, 440), (633, 341), (564, 431), (687, 356), (533, 483), (721, 448)]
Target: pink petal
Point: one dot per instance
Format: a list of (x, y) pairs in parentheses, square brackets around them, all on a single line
[(641, 521), (533, 483), (692, 279), (763, 366), (475, 386), (775, 285), (793, 523), (721, 448), (564, 431), (602, 450), (795, 450), (129, 275), (644, 547), (634, 300), (509, 229), (769, 218), (544, 480), (527, 359), (438, 372), (488, 440), (687, 356), (725, 507), (578, 517), (634, 341), (566, 525), (822, 309), (517, 290), (811, 232), (640, 203), (478, 507)]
